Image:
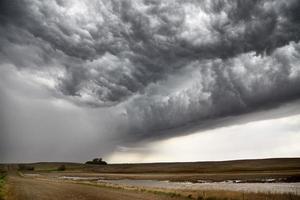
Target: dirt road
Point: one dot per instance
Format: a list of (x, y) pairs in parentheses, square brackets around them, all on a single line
[(20, 188)]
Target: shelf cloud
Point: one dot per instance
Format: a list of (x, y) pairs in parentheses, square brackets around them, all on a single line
[(154, 65)]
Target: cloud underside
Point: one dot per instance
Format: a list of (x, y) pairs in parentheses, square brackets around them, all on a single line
[(162, 64)]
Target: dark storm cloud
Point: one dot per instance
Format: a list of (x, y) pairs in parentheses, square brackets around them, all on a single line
[(164, 64), (217, 88)]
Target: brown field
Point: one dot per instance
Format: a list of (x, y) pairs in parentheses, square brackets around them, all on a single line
[(44, 181)]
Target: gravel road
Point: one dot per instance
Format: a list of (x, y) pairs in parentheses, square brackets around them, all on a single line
[(21, 188)]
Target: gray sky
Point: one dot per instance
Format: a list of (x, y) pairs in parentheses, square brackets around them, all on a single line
[(118, 79)]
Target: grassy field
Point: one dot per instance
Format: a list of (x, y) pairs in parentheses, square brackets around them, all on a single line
[(1, 187), (285, 169), (23, 185), (2, 183), (279, 164), (41, 188)]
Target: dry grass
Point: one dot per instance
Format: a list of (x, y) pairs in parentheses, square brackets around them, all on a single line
[(289, 169), (258, 165), (262, 165), (247, 170)]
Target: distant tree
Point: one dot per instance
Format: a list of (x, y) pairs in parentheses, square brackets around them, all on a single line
[(96, 161)]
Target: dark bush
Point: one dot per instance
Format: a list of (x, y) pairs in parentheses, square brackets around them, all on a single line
[(23, 167), (2, 170), (61, 168)]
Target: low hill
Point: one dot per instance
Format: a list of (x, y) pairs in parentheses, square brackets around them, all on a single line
[(262, 165)]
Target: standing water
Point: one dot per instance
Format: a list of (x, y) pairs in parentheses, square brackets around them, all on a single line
[(293, 188)]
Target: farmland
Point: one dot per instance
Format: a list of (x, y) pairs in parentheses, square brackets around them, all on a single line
[(259, 179)]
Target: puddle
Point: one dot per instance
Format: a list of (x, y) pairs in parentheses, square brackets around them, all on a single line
[(269, 180), (76, 178), (266, 187), (32, 175)]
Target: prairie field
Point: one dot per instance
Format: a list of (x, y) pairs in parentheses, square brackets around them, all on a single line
[(243, 179)]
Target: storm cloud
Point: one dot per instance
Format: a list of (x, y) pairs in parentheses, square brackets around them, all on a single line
[(158, 65)]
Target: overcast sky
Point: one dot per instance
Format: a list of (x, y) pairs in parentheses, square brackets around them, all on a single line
[(147, 81)]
